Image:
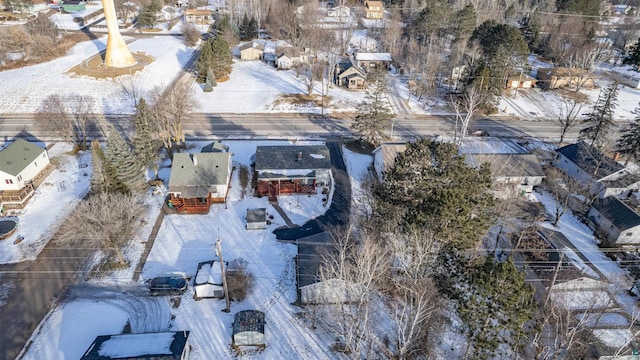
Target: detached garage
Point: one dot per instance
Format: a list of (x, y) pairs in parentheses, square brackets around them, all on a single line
[(248, 328)]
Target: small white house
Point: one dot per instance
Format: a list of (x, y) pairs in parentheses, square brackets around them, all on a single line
[(511, 173), (208, 282), (20, 163), (248, 328), (339, 11)]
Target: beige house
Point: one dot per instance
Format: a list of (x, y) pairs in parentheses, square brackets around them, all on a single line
[(251, 51), (374, 9), (288, 57), (520, 81), (199, 16), (555, 78)]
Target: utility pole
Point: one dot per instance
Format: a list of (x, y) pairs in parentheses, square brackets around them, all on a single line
[(224, 275)]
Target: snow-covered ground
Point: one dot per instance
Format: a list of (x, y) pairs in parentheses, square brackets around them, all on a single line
[(53, 200)]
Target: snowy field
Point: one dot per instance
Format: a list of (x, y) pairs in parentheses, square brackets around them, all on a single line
[(53, 200)]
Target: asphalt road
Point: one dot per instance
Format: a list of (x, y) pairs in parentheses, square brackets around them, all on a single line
[(208, 126)]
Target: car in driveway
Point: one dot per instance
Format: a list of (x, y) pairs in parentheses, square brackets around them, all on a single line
[(167, 285), (480, 133)]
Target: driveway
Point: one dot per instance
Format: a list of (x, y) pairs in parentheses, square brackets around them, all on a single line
[(338, 212)]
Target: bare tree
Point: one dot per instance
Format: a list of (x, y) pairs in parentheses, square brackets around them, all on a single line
[(104, 221), (568, 116), (359, 265), (171, 108), (310, 73), (70, 118), (562, 188), (191, 35), (465, 107)]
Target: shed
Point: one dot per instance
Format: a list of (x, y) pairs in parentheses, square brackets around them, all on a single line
[(256, 219), (215, 147), (157, 346), (208, 282), (248, 328)]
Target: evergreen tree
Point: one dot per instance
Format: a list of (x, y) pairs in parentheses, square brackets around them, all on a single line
[(495, 305), (146, 146), (252, 29), (215, 56), (431, 187), (126, 167), (600, 120), (634, 55), (466, 19), (629, 142), (103, 174), (243, 30), (204, 61), (148, 15), (374, 115)]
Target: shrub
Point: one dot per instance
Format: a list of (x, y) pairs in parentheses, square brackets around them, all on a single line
[(239, 281), (191, 35)]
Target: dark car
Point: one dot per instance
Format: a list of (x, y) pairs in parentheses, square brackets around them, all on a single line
[(167, 285)]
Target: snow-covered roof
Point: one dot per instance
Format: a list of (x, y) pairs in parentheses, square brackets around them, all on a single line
[(363, 56), (127, 346), (209, 272)]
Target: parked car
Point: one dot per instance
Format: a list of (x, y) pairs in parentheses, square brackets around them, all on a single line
[(480, 133), (167, 285)]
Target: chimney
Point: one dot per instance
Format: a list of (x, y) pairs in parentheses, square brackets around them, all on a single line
[(195, 159), (299, 155)]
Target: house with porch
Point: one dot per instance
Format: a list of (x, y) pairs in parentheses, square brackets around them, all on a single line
[(291, 169), (619, 223), (350, 75), (199, 180), (21, 163), (591, 168)]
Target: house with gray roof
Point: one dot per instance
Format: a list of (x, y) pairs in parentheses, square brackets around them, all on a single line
[(168, 345), (289, 56), (616, 220), (199, 180), (590, 167), (248, 328), (510, 172), (251, 51), (20, 164), (350, 75), (291, 169)]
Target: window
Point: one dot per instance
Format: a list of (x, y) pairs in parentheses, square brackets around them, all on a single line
[(35, 163), (629, 233), (8, 181), (19, 178)]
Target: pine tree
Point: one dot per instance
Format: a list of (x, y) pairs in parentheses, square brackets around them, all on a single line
[(103, 176), (629, 142), (252, 29), (634, 55), (600, 120), (146, 146), (374, 115), (126, 167), (203, 63), (243, 30), (222, 59), (431, 187), (495, 306)]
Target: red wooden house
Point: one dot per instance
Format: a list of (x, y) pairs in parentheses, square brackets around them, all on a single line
[(291, 169)]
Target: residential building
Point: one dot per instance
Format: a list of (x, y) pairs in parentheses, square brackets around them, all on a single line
[(627, 76), (199, 180), (339, 12), (555, 78), (520, 81), (21, 163), (291, 169), (511, 173), (374, 9), (199, 16), (158, 346), (619, 223), (372, 61), (251, 51), (384, 157), (591, 168), (288, 57), (350, 75)]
